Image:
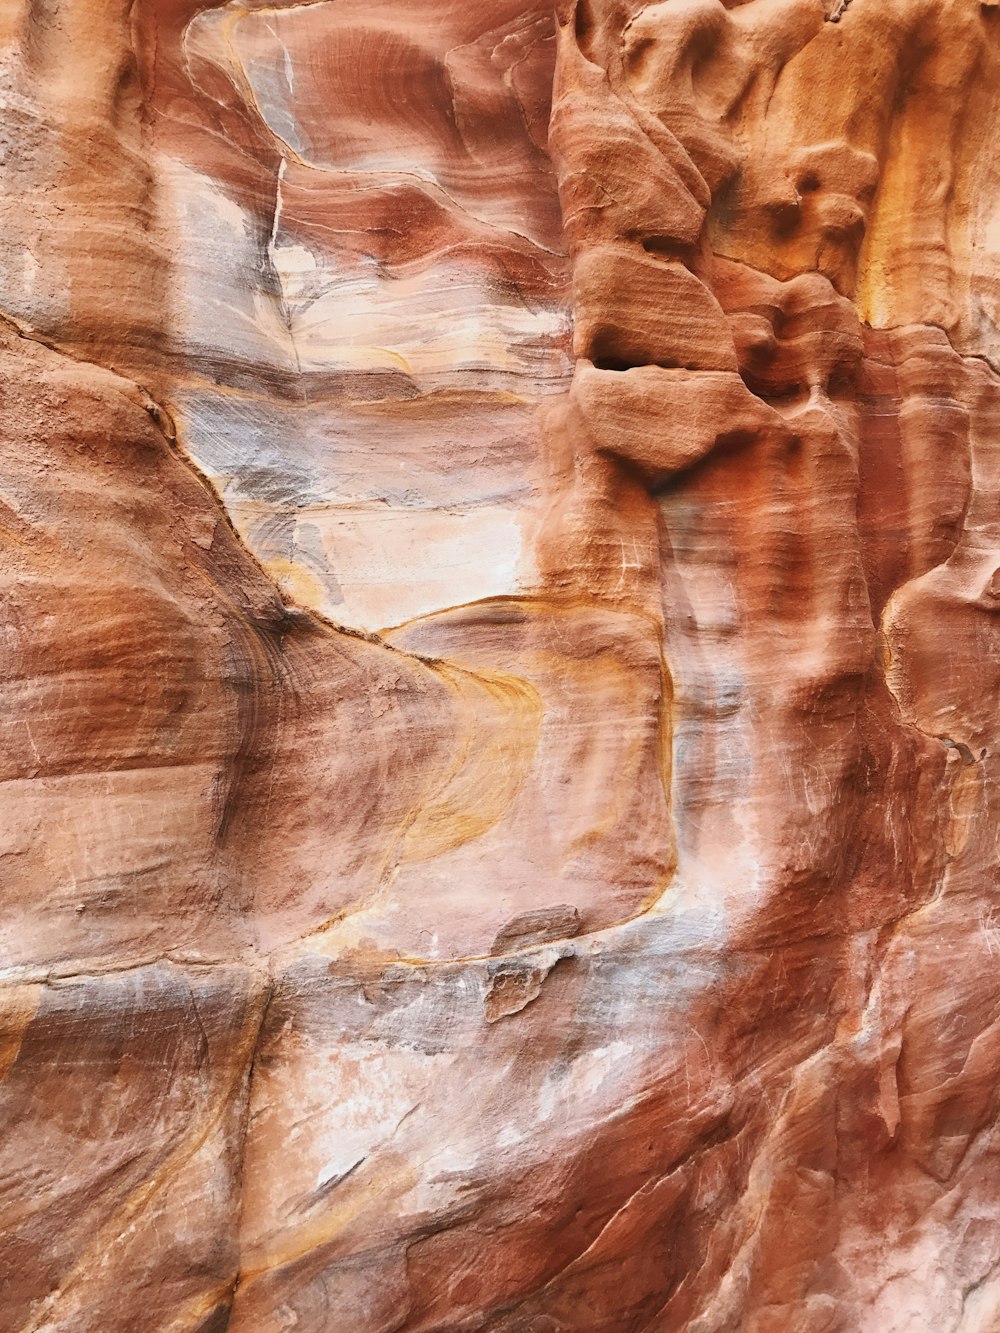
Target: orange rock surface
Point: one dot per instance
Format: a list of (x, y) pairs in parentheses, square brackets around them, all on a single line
[(500, 528)]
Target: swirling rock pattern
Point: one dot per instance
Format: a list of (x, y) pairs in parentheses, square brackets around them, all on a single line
[(500, 516)]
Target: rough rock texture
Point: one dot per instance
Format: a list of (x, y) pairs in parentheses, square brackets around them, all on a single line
[(500, 517)]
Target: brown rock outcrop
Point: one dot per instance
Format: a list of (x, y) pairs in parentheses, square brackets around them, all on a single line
[(500, 546)]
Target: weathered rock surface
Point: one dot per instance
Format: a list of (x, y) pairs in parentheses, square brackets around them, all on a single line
[(500, 527)]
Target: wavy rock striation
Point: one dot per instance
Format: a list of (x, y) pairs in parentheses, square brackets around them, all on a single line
[(500, 581)]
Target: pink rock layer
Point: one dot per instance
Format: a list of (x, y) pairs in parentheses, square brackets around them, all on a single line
[(500, 517)]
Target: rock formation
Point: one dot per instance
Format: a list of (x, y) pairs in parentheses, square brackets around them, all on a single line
[(500, 516)]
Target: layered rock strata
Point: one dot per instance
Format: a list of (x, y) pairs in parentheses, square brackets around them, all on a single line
[(500, 578)]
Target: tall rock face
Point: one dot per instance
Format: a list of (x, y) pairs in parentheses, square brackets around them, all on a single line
[(500, 528)]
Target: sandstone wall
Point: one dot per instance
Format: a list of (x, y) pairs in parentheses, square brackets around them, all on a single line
[(500, 653)]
